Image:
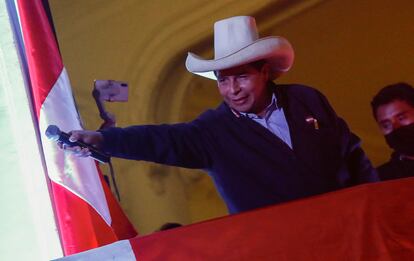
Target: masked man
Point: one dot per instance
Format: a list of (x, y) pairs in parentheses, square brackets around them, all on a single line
[(393, 109)]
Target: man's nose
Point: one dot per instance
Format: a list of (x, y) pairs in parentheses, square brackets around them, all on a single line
[(234, 86), (396, 125)]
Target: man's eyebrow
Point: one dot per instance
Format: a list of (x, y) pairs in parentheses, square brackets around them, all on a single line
[(401, 113), (396, 115)]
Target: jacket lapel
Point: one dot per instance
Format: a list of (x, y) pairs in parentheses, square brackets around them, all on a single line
[(295, 114), (314, 137)]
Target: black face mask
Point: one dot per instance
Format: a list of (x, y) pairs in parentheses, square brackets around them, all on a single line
[(402, 140)]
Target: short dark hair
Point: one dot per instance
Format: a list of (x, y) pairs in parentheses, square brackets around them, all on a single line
[(258, 65), (398, 91)]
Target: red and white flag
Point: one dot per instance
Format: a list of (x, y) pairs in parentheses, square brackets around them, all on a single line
[(369, 222), (87, 213)]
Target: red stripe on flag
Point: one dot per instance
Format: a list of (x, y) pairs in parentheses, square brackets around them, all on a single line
[(120, 223), (43, 57)]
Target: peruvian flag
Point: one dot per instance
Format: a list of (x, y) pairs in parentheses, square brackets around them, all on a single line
[(87, 213)]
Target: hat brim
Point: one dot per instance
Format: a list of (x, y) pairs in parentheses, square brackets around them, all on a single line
[(276, 50)]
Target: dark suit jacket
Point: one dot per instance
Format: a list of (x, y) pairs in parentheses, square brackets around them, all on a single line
[(250, 166), (397, 167)]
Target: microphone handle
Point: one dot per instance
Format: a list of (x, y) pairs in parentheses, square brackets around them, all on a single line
[(96, 154)]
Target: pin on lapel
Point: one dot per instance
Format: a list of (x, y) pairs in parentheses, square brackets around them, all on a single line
[(312, 120)]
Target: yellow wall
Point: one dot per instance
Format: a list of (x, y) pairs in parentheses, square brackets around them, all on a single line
[(347, 49)]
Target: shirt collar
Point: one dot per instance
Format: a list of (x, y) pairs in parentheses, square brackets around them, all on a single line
[(269, 109)]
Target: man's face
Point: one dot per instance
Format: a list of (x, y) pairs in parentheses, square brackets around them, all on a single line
[(244, 88), (394, 115)]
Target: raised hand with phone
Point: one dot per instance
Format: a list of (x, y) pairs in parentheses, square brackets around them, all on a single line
[(109, 91)]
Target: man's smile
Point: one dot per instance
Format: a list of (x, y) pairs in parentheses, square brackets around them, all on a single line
[(239, 101)]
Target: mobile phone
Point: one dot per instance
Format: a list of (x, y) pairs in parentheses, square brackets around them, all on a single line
[(111, 90)]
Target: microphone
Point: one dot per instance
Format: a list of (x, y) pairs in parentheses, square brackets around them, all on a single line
[(53, 133)]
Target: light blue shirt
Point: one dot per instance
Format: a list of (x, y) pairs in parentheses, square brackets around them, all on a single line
[(274, 120)]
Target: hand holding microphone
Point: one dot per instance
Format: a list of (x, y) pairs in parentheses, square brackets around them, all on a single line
[(81, 143)]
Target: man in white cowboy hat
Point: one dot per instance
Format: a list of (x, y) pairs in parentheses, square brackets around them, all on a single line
[(265, 144)]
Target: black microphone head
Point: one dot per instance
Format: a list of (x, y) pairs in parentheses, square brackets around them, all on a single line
[(52, 132)]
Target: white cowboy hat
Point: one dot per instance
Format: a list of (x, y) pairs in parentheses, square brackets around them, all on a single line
[(236, 42)]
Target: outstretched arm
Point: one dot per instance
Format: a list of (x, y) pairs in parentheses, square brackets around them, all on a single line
[(182, 144)]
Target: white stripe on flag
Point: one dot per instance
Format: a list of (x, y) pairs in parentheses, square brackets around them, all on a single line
[(118, 251), (79, 175)]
